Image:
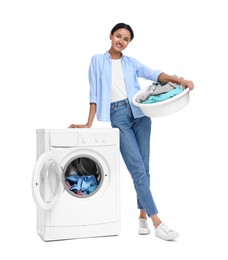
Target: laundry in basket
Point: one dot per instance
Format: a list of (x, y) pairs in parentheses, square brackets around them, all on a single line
[(161, 99)]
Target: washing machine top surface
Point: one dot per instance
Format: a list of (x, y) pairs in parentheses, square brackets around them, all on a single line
[(68, 130), (74, 137)]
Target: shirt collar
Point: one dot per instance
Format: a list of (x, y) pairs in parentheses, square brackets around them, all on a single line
[(108, 55)]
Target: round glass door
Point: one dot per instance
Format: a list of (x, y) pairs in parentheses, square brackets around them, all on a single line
[(47, 181), (83, 177)]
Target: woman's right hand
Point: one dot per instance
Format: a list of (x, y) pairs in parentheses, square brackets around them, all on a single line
[(79, 126), (92, 112)]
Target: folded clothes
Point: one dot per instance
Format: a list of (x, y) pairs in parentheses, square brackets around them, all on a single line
[(162, 97), (81, 185)]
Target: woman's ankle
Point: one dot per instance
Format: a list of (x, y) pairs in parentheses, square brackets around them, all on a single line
[(156, 220), (142, 214)]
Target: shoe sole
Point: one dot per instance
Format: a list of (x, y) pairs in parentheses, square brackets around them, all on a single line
[(143, 233), (168, 238)]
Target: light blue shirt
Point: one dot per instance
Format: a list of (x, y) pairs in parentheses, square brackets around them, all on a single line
[(100, 79)]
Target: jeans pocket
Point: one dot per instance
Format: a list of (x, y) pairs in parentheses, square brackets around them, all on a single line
[(118, 116)]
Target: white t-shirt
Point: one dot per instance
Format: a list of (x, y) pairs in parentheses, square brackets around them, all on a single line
[(118, 90)]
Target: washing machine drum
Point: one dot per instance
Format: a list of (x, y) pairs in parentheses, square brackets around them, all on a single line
[(86, 166), (83, 177)]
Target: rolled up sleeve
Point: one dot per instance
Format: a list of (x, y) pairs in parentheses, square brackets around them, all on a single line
[(92, 82), (145, 72)]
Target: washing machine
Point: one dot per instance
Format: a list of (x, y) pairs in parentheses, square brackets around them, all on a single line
[(75, 183)]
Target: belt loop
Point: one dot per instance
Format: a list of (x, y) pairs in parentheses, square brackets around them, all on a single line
[(115, 104)]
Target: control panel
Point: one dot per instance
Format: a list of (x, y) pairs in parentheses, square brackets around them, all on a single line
[(98, 138), (80, 137)]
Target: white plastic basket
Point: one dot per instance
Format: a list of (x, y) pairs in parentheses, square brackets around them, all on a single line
[(165, 107)]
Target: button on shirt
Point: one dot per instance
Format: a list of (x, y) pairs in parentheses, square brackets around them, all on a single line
[(100, 79)]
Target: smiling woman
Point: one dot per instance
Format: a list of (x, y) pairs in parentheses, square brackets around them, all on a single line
[(113, 83), (120, 36)]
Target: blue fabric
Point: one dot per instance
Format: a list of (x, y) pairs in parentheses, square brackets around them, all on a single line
[(162, 97), (100, 78), (135, 149), (85, 184)]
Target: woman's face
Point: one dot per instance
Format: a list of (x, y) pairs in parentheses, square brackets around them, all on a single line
[(120, 39)]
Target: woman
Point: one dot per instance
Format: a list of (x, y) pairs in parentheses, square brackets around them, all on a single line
[(113, 81)]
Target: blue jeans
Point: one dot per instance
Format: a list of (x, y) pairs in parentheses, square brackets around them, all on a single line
[(135, 150)]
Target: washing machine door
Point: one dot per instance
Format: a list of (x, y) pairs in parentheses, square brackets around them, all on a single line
[(47, 184)]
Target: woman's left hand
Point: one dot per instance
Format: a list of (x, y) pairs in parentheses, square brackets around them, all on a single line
[(163, 77), (187, 84)]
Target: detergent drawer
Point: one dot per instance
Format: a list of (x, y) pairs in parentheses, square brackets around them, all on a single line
[(63, 139)]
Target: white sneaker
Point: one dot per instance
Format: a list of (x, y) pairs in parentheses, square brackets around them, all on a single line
[(165, 233), (143, 227)]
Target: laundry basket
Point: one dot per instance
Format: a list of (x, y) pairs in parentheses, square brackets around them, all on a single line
[(165, 107)]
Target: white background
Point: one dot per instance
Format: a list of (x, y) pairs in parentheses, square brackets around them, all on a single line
[(45, 52)]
